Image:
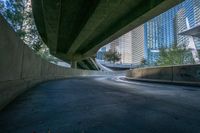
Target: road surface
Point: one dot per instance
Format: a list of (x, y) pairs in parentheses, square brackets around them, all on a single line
[(103, 105)]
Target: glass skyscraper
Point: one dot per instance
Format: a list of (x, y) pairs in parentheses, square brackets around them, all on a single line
[(163, 30)]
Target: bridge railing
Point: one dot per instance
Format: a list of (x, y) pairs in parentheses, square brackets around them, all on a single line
[(183, 74)]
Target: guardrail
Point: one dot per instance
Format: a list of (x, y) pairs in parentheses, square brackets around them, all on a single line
[(183, 74)]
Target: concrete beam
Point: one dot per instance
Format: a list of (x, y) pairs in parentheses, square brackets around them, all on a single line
[(81, 27)]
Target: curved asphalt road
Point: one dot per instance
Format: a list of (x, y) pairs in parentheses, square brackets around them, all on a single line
[(103, 105)]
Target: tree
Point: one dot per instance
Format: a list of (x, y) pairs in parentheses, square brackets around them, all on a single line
[(44, 53), (112, 56), (175, 56), (18, 14), (143, 62)]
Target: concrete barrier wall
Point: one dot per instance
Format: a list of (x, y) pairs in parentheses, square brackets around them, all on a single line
[(188, 73), (184, 74), (161, 73), (20, 68)]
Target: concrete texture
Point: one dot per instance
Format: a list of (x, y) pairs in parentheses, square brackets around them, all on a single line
[(75, 30), (103, 105), (136, 73), (185, 74), (11, 51), (9, 90), (161, 73), (190, 73), (31, 64), (21, 68)]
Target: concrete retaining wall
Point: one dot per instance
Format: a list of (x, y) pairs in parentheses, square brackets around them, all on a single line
[(20, 68), (185, 74)]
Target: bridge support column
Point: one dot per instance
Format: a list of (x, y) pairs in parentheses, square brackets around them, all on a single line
[(73, 64)]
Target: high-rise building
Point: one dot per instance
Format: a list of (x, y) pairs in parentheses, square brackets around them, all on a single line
[(180, 26), (129, 45), (138, 45), (159, 33), (196, 9), (196, 16), (125, 48), (163, 30), (100, 53), (123, 45)]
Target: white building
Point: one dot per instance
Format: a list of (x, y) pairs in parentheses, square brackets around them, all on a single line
[(138, 44), (130, 46)]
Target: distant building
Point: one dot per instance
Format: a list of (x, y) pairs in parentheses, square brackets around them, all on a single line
[(163, 30), (100, 53), (122, 45), (130, 46), (159, 33), (114, 45), (138, 45), (125, 48), (180, 26)]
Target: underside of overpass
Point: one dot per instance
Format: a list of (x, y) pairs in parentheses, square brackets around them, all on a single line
[(75, 30), (97, 103)]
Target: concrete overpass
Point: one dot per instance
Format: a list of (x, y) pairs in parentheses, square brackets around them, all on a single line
[(75, 30), (98, 103)]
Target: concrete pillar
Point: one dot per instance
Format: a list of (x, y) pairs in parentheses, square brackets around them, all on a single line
[(73, 64), (94, 63)]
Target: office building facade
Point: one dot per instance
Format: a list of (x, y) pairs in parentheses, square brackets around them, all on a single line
[(130, 46), (163, 30), (160, 33), (138, 53), (123, 45)]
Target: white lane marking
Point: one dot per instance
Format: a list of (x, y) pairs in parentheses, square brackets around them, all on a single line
[(120, 79)]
